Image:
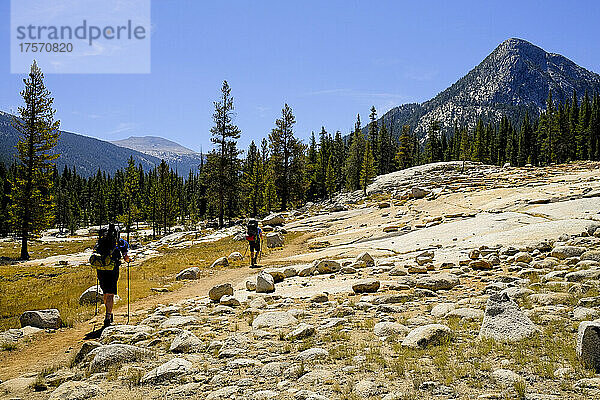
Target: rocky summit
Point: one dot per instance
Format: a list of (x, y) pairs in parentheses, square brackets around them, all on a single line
[(488, 288)]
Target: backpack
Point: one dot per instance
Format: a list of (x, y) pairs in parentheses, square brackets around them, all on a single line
[(102, 258), (252, 230)]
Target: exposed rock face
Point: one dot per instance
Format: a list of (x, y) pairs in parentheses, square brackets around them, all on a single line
[(499, 80), (219, 291), (588, 344), (44, 319), (188, 273), (504, 321)]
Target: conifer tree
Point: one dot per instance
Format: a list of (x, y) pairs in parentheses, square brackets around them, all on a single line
[(130, 192), (367, 172), (374, 134), (404, 155), (355, 157), (31, 200)]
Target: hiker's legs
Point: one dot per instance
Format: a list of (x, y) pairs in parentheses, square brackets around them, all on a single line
[(109, 301), (251, 256)]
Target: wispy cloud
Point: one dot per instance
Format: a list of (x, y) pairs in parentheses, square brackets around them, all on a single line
[(262, 110), (358, 94), (123, 127), (420, 74)]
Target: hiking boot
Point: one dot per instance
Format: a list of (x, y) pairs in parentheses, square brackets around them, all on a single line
[(108, 320)]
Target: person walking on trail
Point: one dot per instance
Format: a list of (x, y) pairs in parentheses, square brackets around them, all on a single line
[(253, 236), (108, 278)]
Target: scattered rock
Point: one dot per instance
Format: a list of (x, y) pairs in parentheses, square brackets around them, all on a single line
[(504, 321), (188, 273), (105, 356), (480, 265), (588, 344), (219, 291), (302, 331), (563, 252), (274, 220), (265, 283), (235, 256), (220, 262), (505, 378), (92, 295), (438, 282), (173, 369), (274, 319), (327, 266), (366, 286), (185, 342), (365, 258), (427, 335), (274, 239), (73, 390), (385, 329), (43, 319)]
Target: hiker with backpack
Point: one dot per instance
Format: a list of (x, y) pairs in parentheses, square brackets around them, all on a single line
[(253, 236), (106, 259)]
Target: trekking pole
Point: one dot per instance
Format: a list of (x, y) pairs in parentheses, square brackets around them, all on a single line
[(97, 296), (128, 292)]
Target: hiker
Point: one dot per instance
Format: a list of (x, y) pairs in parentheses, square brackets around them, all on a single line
[(253, 236), (111, 244)]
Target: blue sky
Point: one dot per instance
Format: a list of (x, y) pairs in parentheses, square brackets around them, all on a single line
[(328, 59)]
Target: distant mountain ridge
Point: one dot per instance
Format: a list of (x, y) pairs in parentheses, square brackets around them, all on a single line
[(516, 77), (178, 156), (84, 153)]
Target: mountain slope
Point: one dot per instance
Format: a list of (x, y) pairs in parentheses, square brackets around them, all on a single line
[(515, 77), (176, 155), (85, 153)]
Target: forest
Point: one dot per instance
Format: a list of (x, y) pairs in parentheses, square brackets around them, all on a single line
[(280, 172)]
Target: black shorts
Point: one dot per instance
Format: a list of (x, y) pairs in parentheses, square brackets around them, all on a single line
[(254, 245), (108, 280)]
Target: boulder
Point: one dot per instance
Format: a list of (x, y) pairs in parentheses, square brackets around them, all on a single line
[(480, 265), (562, 252), (312, 354), (427, 335), (583, 275), (235, 256), (306, 270), (385, 329), (504, 321), (85, 349), (104, 357), (220, 262), (319, 298), (418, 193), (274, 239), (327, 266), (168, 371), (441, 310), (124, 333), (523, 257), (505, 378), (265, 283), (43, 319), (229, 301), (366, 258), (188, 273), (274, 319), (185, 342), (92, 296), (250, 286), (366, 286), (178, 322), (591, 255), (302, 331), (277, 274), (74, 390), (219, 291), (466, 313), (588, 344), (438, 282), (273, 219)]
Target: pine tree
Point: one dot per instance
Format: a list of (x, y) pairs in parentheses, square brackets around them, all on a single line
[(287, 158), (31, 200), (387, 150), (433, 148), (374, 135), (367, 170), (330, 177), (224, 135), (130, 192), (355, 157), (404, 155)]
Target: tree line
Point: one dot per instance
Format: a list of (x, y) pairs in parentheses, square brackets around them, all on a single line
[(278, 173)]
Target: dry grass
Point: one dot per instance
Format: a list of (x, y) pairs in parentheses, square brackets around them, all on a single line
[(27, 288), (11, 251)]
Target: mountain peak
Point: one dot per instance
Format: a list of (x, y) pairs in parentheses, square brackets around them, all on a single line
[(153, 145)]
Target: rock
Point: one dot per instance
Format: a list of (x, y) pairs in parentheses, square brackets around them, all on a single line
[(472, 314), (523, 257), (474, 254), (220, 262), (223, 393), (229, 301), (168, 371), (505, 378), (274, 219), (438, 282), (550, 298), (588, 344), (385, 329), (43, 319), (178, 322), (583, 275), (185, 342), (85, 349), (235, 256), (366, 258), (562, 252), (504, 321), (480, 265), (319, 298), (59, 377), (427, 335), (327, 266), (219, 291), (585, 313), (264, 395), (188, 273), (366, 286), (73, 390), (265, 283), (274, 319), (92, 296), (418, 193), (591, 255), (398, 271), (250, 286), (441, 310), (186, 390), (302, 331), (106, 356), (366, 388), (274, 239), (312, 354), (417, 269), (306, 270)]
